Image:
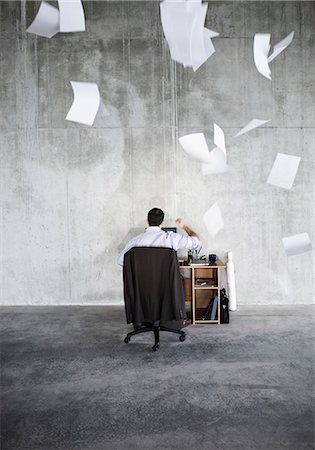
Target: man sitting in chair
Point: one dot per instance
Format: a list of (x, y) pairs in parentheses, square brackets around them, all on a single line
[(153, 288), (154, 236)]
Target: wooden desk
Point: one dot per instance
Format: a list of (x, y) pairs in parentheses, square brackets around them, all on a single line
[(204, 285)]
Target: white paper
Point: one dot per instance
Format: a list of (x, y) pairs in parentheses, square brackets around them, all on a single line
[(261, 50), (71, 16), (282, 45), (210, 34), (87, 103), (200, 50), (195, 145), (251, 126), (208, 45), (46, 22), (219, 139), (217, 162), (213, 220), (183, 26), (177, 26), (284, 171), (296, 244)]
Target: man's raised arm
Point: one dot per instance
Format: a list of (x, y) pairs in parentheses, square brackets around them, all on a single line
[(180, 222)]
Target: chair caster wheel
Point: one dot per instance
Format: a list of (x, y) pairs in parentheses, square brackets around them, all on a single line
[(126, 340), (155, 347), (182, 337)]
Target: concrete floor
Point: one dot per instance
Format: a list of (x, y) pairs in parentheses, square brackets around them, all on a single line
[(70, 382)]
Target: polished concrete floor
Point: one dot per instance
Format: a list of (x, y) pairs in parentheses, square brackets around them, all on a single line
[(70, 382)]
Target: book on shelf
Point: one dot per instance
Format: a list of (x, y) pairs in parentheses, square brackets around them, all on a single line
[(211, 310), (214, 307), (207, 313)]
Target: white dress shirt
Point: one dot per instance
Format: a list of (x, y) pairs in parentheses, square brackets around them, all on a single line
[(156, 237)]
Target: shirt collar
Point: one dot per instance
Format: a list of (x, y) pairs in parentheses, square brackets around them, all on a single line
[(153, 229)]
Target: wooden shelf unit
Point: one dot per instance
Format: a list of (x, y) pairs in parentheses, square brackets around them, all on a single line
[(201, 296)]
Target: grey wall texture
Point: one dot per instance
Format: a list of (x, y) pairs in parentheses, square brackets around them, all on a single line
[(73, 195)]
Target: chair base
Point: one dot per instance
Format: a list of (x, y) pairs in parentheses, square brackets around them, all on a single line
[(156, 330)]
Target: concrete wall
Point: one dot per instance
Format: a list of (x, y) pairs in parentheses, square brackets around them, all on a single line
[(72, 195)]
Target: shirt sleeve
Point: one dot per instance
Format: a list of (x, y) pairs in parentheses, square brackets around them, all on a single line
[(181, 242), (120, 257)]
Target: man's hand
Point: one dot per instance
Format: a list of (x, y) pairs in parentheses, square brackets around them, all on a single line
[(180, 223)]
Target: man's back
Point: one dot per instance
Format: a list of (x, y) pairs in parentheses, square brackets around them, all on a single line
[(154, 236)]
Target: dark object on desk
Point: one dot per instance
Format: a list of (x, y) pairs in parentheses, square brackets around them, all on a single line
[(174, 229), (193, 256), (153, 291), (224, 307), (212, 259)]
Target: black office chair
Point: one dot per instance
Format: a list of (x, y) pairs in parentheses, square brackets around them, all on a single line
[(153, 291)]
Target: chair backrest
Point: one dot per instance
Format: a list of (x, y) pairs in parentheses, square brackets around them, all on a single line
[(153, 287)]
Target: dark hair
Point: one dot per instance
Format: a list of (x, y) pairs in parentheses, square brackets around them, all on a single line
[(155, 217)]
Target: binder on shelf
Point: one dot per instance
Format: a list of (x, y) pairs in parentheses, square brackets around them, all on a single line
[(207, 312), (214, 308)]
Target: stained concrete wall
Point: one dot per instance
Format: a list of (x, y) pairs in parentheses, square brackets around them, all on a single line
[(72, 195)]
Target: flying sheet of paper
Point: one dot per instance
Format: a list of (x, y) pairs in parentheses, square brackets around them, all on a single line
[(87, 103), (296, 244), (213, 220), (195, 145), (217, 163), (210, 34), (46, 22), (219, 139), (282, 45), (183, 25), (261, 50), (177, 25), (71, 16), (201, 47), (284, 171), (251, 126)]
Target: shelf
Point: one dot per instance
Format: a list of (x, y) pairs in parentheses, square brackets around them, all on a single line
[(202, 295), (217, 265), (206, 287), (200, 313), (206, 321)]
